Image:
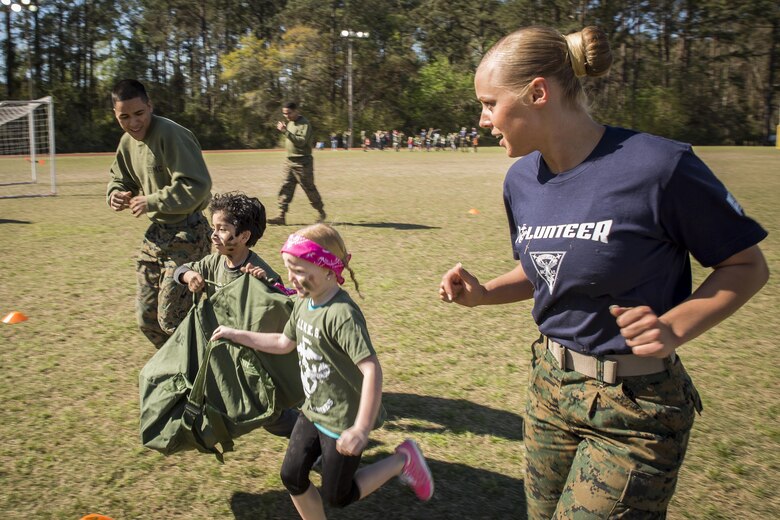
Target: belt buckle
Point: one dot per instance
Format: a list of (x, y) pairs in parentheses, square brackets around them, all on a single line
[(606, 370), (559, 353)]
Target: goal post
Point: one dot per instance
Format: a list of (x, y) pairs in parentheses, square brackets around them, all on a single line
[(26, 148)]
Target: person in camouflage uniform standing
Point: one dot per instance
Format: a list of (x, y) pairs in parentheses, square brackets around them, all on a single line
[(299, 165), (159, 171), (603, 225)]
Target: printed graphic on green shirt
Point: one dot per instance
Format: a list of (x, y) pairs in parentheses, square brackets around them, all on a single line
[(331, 340), (313, 370)]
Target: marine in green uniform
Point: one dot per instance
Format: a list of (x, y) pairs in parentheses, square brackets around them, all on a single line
[(299, 165), (159, 172)]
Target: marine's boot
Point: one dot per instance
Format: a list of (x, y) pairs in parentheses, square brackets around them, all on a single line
[(279, 220)]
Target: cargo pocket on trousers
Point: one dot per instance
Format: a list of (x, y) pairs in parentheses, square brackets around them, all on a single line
[(645, 493), (688, 388)]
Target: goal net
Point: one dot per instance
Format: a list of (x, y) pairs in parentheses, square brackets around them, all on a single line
[(27, 149)]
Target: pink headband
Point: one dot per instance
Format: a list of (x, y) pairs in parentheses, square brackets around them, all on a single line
[(311, 251)]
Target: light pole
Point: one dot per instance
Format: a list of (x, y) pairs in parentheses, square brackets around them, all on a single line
[(23, 4), (349, 34), (10, 55)]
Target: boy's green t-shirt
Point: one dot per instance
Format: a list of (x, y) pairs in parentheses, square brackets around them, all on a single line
[(331, 339), (214, 268)]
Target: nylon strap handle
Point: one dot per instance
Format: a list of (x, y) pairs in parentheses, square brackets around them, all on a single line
[(194, 406), (197, 394)]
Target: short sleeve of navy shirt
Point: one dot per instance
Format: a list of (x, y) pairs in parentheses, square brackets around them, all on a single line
[(618, 230)]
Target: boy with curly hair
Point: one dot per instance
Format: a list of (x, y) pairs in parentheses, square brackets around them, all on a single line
[(239, 222)]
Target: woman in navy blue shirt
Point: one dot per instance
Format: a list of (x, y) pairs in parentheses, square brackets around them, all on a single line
[(603, 221)]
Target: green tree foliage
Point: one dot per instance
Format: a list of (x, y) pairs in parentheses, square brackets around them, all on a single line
[(703, 71), (251, 74), (459, 30), (443, 97)]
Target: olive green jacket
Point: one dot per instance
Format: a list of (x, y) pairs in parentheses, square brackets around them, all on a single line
[(167, 167)]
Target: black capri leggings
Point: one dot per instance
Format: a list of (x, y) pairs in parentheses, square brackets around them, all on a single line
[(338, 471)]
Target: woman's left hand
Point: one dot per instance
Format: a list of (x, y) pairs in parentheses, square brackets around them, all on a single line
[(352, 442), (644, 331)]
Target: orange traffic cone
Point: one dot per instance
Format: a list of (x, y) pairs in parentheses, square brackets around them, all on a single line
[(474, 211), (95, 516), (14, 317)]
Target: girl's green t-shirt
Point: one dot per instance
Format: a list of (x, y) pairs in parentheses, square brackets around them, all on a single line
[(331, 339)]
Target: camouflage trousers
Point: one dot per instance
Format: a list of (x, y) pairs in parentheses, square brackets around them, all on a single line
[(299, 171), (597, 450), (161, 303)]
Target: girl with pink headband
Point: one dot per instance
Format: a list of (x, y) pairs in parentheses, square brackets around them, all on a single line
[(342, 380)]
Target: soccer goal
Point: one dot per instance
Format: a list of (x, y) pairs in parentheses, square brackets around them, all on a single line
[(27, 149)]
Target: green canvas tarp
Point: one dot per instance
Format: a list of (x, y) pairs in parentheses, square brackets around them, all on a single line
[(197, 394)]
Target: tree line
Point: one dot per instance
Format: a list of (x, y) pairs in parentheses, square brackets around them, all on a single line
[(701, 71)]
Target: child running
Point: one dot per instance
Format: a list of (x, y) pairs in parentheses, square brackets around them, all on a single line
[(239, 222), (342, 380)]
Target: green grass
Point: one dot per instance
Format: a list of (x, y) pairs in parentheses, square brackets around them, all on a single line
[(454, 378)]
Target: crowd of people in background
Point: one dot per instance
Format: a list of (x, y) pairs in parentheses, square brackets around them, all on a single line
[(426, 139)]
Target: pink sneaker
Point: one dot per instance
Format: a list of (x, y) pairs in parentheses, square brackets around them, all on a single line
[(415, 473)]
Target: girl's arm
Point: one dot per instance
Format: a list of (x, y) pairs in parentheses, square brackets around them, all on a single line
[(728, 287), (354, 440), (460, 286), (268, 342)]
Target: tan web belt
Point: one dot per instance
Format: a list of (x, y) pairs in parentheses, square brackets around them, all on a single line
[(606, 368)]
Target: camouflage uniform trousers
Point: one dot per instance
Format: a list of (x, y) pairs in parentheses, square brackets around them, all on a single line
[(161, 303), (299, 170), (596, 450)]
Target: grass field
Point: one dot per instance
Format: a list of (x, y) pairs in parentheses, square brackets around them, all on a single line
[(454, 378)]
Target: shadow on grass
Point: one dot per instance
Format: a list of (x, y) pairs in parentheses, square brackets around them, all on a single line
[(456, 415), (460, 492), (16, 183), (28, 196), (89, 195), (83, 183), (12, 221), (402, 226)]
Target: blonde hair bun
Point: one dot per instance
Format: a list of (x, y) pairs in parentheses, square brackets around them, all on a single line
[(589, 52)]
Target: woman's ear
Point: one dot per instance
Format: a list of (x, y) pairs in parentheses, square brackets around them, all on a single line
[(539, 91)]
